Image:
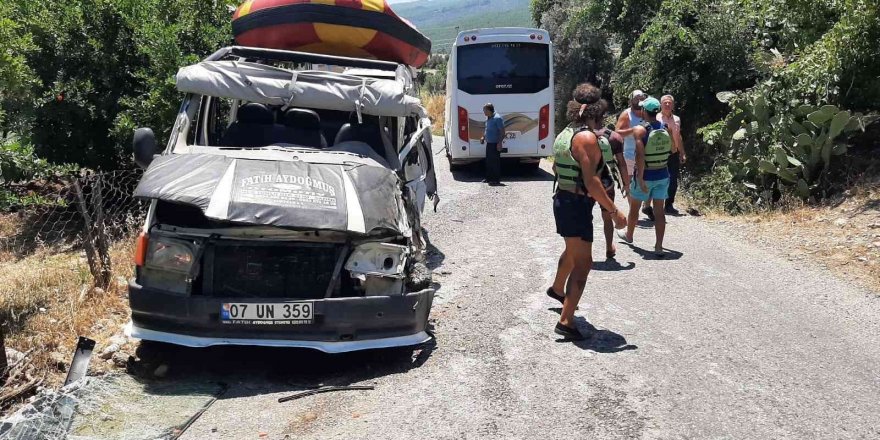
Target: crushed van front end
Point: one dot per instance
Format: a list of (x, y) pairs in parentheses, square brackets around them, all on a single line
[(284, 253)]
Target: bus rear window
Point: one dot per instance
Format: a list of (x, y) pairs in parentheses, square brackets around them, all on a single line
[(503, 68)]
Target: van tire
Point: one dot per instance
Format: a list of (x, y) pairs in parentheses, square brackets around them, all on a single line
[(419, 277)]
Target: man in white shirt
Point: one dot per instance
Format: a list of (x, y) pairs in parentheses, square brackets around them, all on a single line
[(626, 122), (679, 156)]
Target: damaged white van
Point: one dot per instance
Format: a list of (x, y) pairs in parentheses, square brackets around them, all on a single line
[(285, 209)]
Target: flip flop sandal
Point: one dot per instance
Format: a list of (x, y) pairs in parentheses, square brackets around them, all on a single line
[(552, 294), (569, 333), (610, 255), (622, 235), (659, 252)]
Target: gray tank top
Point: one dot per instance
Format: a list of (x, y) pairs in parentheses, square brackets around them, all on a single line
[(629, 142)]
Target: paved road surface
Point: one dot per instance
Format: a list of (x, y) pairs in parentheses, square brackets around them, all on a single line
[(722, 340)]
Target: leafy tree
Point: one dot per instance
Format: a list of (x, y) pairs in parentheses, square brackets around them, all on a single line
[(582, 50), (841, 66), (106, 66), (691, 50), (167, 34), (16, 77)]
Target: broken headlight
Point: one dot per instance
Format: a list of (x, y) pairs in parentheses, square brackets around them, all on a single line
[(169, 254), (378, 259), (169, 265)]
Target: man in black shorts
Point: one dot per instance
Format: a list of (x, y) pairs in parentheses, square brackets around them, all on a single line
[(613, 175)]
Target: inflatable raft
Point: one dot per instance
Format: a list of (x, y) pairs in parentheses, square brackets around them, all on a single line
[(354, 28)]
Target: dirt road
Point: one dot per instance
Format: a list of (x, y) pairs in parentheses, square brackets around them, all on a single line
[(720, 340)]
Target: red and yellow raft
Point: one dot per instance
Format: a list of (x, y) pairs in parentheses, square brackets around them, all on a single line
[(354, 28)]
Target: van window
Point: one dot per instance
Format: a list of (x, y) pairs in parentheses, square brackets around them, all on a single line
[(503, 68)]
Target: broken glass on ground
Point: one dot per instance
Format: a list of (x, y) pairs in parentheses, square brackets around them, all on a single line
[(112, 407)]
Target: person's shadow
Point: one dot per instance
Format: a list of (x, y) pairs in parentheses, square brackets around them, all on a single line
[(646, 254), (612, 265), (599, 341)]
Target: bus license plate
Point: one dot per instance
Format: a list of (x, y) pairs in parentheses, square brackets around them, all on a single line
[(294, 313)]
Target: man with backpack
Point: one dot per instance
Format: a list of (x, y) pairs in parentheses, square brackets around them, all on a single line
[(651, 178), (614, 174)]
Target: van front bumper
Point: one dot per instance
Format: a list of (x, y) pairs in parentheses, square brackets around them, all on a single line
[(340, 324)]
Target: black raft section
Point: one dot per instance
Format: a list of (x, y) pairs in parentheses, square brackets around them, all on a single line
[(350, 197)]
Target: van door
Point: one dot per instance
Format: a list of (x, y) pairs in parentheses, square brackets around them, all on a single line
[(417, 160)]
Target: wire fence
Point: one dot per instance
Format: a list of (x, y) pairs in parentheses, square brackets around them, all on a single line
[(85, 213)]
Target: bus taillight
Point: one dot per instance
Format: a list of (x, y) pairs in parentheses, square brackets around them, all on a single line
[(544, 122), (463, 124)]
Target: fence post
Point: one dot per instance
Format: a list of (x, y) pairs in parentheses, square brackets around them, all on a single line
[(89, 241), (4, 363), (100, 231)]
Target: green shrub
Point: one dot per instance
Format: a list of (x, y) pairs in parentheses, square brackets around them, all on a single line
[(18, 163), (717, 191), (770, 147)]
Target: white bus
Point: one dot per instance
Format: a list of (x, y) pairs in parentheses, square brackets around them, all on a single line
[(513, 69)]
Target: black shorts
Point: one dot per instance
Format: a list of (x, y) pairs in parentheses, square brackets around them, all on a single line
[(574, 215)]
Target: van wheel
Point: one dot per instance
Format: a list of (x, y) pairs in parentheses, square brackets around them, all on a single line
[(419, 277)]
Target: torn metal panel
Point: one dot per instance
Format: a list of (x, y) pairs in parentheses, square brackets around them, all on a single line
[(79, 366)]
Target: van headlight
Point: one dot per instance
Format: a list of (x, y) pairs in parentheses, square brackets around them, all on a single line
[(170, 254), (378, 259), (168, 265)]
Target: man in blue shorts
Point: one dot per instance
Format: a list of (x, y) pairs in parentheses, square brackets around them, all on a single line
[(651, 179)]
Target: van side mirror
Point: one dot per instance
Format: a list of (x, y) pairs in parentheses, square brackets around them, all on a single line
[(144, 145)]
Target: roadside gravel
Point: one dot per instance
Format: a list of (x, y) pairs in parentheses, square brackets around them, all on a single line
[(722, 339)]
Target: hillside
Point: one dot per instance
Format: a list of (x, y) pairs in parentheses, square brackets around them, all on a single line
[(438, 18)]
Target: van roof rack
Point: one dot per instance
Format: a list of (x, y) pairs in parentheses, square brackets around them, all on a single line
[(298, 57)]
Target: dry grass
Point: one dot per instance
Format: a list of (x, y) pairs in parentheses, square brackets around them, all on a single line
[(47, 300), (842, 235), (436, 106)]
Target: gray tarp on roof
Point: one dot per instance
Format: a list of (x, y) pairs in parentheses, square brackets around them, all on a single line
[(297, 194), (253, 82)]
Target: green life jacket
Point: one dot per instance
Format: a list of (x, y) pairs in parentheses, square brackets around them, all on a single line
[(568, 170), (658, 148), (608, 157)]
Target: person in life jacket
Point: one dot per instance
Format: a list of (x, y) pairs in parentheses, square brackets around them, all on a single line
[(651, 179), (578, 165), (611, 144)]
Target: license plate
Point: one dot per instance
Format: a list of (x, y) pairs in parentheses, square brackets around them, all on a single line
[(294, 313)]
